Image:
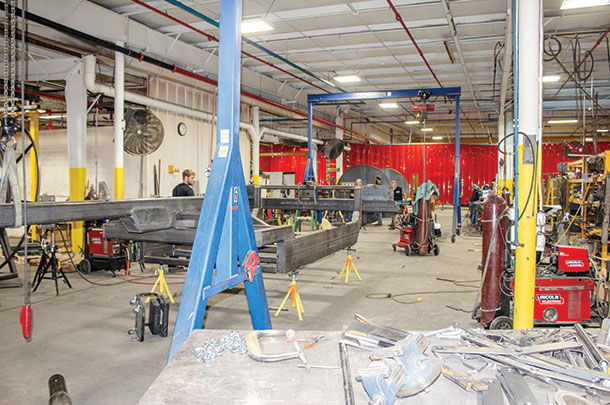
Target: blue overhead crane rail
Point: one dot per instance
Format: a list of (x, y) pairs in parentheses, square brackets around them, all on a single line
[(451, 92)]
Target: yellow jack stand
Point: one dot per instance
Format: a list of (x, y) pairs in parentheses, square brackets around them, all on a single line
[(163, 288), (295, 300), (348, 265)]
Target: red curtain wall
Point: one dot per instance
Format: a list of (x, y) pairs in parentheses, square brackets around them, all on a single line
[(478, 163)]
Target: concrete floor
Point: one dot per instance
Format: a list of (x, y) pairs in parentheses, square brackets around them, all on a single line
[(82, 333)]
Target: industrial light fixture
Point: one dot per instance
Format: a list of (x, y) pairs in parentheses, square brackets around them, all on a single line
[(562, 121), (570, 4), (388, 105), (428, 129), (250, 26), (347, 79), (587, 139), (602, 130), (437, 138), (550, 78), (414, 122)]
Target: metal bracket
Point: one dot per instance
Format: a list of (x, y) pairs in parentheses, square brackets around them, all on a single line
[(414, 371)]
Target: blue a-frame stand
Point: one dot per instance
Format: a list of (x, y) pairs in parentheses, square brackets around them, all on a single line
[(451, 92), (224, 251)]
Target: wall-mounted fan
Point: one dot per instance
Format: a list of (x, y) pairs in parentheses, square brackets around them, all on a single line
[(143, 132)]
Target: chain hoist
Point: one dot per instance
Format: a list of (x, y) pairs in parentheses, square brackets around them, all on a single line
[(9, 58)]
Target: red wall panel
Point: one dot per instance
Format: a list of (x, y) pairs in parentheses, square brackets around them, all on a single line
[(295, 163), (478, 162)]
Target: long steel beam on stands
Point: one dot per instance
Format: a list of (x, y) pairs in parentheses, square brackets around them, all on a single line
[(68, 211)]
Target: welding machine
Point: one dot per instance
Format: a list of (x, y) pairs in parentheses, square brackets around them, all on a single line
[(102, 254), (418, 233), (566, 280), (564, 290)]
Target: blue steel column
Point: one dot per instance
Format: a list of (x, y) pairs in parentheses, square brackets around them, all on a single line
[(310, 174), (225, 233), (457, 209)]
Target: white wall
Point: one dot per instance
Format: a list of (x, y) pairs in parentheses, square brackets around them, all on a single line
[(195, 149), (192, 151)]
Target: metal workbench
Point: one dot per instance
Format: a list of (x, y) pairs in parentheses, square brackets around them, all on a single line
[(235, 378)]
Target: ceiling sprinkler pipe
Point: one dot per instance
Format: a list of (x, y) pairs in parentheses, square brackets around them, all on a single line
[(400, 20)]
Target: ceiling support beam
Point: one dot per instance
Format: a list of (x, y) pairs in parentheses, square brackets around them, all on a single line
[(458, 47)]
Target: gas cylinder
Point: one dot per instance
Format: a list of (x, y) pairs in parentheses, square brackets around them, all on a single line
[(493, 206), (423, 226)]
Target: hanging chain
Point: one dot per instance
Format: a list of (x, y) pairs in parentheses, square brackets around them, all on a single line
[(13, 67), (5, 61), (9, 58)]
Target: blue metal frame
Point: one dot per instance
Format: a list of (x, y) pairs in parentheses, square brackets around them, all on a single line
[(225, 235), (451, 92)]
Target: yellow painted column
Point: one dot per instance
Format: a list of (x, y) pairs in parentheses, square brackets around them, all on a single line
[(78, 186), (255, 179), (118, 183), (525, 262), (34, 165)]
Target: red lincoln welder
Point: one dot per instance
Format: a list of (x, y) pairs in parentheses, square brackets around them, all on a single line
[(565, 283), (102, 254)]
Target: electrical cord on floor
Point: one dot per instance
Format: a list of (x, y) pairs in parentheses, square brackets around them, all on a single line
[(76, 270), (393, 297), (70, 256)]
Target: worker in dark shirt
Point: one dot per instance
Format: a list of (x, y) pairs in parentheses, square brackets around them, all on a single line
[(399, 197), (399, 194), (474, 198), (185, 189), (379, 214)]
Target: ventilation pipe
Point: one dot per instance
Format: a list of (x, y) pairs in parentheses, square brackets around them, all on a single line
[(119, 122), (76, 102), (287, 135), (252, 130)]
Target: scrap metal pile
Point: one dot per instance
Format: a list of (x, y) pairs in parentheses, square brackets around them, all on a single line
[(566, 365)]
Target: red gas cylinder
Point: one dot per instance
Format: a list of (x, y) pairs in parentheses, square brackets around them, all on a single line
[(490, 293), (423, 225)]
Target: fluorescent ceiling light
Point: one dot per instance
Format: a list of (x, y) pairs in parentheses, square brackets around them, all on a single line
[(550, 78), (562, 121), (415, 122), (602, 130), (427, 129), (570, 4), (347, 79), (437, 138), (250, 26), (388, 105), (588, 139)]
